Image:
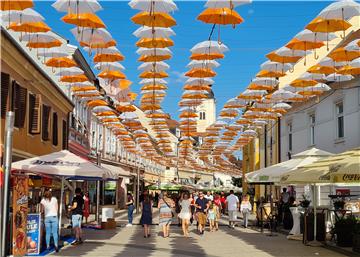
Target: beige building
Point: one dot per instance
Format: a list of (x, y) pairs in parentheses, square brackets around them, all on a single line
[(206, 113)]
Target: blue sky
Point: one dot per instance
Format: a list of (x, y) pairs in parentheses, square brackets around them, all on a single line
[(268, 25)]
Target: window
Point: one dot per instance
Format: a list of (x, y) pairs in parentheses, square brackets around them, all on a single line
[(340, 120), (19, 99), (5, 82), (55, 129), (312, 128), (202, 116), (290, 139), (34, 113), (45, 122), (64, 135)]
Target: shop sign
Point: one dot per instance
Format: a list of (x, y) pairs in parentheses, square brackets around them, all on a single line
[(342, 192), (33, 234), (46, 182), (347, 178), (20, 210), (110, 185)]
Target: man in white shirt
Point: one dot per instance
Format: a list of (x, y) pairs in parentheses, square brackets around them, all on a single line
[(233, 205), (209, 196)]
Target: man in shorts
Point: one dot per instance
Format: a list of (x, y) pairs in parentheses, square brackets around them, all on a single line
[(201, 205), (233, 205), (76, 215)]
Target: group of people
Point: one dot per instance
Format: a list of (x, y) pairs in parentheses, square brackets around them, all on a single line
[(202, 208), (79, 208)]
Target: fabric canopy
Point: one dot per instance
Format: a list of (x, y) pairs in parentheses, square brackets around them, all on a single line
[(117, 170), (342, 168), (63, 164), (273, 173)]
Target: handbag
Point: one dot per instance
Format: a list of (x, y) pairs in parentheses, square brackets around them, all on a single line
[(172, 214)]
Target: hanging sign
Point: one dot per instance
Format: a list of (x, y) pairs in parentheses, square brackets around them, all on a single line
[(20, 210), (33, 233)]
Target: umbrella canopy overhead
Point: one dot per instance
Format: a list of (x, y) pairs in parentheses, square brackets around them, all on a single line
[(273, 173), (63, 164)]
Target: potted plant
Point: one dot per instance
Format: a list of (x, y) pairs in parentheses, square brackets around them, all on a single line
[(339, 204), (344, 230), (356, 238), (305, 202)]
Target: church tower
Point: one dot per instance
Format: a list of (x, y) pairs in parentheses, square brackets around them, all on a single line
[(206, 112)]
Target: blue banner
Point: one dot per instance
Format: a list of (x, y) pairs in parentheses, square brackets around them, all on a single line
[(33, 234)]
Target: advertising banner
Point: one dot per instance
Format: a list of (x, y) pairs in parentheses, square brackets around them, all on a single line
[(33, 234), (20, 211)]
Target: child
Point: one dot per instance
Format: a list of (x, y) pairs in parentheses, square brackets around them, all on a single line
[(245, 208), (212, 216)]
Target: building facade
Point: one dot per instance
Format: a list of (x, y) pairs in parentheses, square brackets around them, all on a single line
[(206, 112)]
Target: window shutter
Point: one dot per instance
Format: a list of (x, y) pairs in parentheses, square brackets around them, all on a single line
[(34, 113), (19, 101), (5, 82), (64, 135), (45, 122), (55, 129)]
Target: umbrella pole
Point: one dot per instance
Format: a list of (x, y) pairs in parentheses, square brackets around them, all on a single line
[(61, 205), (315, 216)]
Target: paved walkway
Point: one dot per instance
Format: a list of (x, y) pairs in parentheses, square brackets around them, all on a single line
[(129, 242)]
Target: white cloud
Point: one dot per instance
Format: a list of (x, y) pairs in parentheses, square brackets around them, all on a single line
[(179, 77)]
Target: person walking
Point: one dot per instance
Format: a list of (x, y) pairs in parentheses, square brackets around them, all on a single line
[(50, 207), (211, 216), (217, 204), (165, 213), (192, 207), (146, 215), (245, 209), (209, 196), (223, 202), (130, 206), (232, 202), (185, 213), (76, 215), (86, 212), (201, 205)]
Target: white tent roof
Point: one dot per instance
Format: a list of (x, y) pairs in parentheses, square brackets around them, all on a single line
[(63, 164), (273, 173)]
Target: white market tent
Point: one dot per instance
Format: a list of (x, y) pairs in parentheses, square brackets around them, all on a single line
[(273, 174), (63, 164)]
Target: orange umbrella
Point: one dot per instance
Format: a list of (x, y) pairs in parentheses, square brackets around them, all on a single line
[(282, 59), (89, 88), (188, 114), (157, 115), (223, 16), (194, 96), (150, 107), (303, 83), (8, 5), (200, 73), (29, 27), (207, 56), (114, 57), (270, 74), (49, 44), (150, 74), (94, 103), (154, 19), (154, 87), (98, 45), (197, 87), (124, 84), (155, 42), (343, 55), (125, 108), (296, 44), (60, 62), (87, 20), (112, 75), (328, 25), (154, 58), (349, 70), (318, 69), (74, 78)]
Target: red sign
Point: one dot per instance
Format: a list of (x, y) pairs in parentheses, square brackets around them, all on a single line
[(46, 182), (343, 192), (20, 211)]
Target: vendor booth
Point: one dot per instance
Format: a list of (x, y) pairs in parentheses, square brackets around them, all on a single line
[(33, 175)]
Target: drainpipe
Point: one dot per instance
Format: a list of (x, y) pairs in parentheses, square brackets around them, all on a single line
[(279, 139)]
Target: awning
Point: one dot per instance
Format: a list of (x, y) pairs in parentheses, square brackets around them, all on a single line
[(119, 171), (63, 164)]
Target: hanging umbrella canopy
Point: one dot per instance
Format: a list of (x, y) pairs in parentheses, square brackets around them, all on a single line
[(296, 44), (223, 16), (60, 62), (313, 76), (164, 6), (353, 45), (226, 4), (152, 81), (112, 75), (274, 173), (29, 27), (63, 164), (41, 40), (154, 19), (85, 20), (206, 56), (159, 42), (318, 69), (203, 64), (344, 10), (320, 24), (200, 73), (8, 5), (154, 51), (93, 38), (349, 70), (53, 52), (327, 61), (111, 54), (209, 46), (335, 77), (270, 74), (282, 95), (263, 83), (286, 55), (76, 6), (308, 35), (199, 81), (153, 32), (107, 66), (276, 66), (343, 55), (20, 16), (154, 66), (303, 83)]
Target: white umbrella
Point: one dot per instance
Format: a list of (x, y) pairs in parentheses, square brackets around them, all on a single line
[(209, 46), (81, 84), (53, 52), (276, 66), (91, 36), (345, 9), (153, 51), (236, 102), (353, 45), (199, 81), (327, 61), (149, 32), (26, 15), (355, 63), (226, 3), (153, 92), (153, 5), (308, 35), (203, 64), (72, 71), (151, 66), (281, 106), (284, 51), (249, 133), (104, 66), (152, 81), (77, 6), (282, 95), (249, 92), (40, 37), (312, 76), (335, 77), (109, 50), (265, 81), (128, 115)]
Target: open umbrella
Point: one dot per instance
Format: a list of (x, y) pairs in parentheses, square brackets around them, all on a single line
[(84, 20), (223, 16), (154, 19), (155, 42), (76, 6), (20, 16), (29, 27), (344, 10), (8, 5), (93, 38), (226, 3), (154, 66), (286, 55), (156, 32), (151, 6), (343, 55), (41, 40), (106, 66)]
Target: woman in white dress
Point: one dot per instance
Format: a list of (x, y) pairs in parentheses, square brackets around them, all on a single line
[(185, 213)]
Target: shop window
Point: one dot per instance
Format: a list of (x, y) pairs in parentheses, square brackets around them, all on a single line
[(55, 129), (340, 120), (5, 83), (312, 128), (19, 99), (64, 135), (34, 113), (45, 122)]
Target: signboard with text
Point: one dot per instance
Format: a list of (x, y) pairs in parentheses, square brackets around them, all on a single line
[(33, 234)]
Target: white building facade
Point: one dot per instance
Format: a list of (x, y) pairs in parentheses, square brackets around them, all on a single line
[(206, 112)]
